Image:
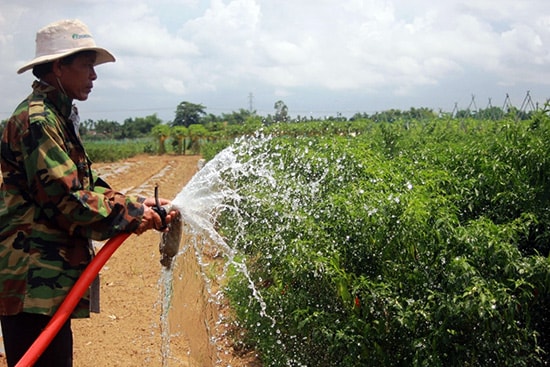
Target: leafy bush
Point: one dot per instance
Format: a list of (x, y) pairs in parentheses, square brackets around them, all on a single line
[(413, 244), (209, 150)]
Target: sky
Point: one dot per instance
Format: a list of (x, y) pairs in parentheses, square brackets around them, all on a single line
[(320, 57)]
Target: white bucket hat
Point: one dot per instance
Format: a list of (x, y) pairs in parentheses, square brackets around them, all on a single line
[(64, 38)]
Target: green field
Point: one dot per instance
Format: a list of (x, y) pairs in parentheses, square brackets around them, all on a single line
[(411, 243)]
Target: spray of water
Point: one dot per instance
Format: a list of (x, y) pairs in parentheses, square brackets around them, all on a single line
[(210, 192), (252, 178)]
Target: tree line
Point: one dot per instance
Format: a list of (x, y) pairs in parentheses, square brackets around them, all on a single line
[(193, 116)]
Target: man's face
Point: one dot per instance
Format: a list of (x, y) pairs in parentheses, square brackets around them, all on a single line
[(77, 77)]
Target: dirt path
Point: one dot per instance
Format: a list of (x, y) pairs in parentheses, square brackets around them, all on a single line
[(128, 332)]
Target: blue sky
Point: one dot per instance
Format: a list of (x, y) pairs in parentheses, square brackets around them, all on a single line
[(321, 57)]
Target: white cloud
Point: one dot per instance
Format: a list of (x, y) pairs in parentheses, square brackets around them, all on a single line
[(174, 50)]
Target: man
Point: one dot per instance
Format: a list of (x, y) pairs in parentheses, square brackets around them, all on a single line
[(51, 203)]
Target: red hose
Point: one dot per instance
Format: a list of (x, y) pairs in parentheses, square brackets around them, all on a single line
[(70, 302)]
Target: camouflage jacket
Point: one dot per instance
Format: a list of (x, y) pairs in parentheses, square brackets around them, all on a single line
[(51, 207)]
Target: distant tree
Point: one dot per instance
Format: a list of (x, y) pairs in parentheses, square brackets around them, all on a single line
[(237, 117), (517, 114), (210, 118), (390, 115), (339, 117), (359, 116), (188, 113), (86, 127), (107, 128), (490, 113), (460, 114), (422, 113), (281, 111), (161, 132), (139, 126), (180, 133), (197, 134)]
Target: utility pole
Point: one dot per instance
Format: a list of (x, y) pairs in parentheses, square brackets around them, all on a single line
[(250, 102)]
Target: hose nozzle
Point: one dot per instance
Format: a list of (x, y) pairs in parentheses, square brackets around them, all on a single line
[(159, 209)]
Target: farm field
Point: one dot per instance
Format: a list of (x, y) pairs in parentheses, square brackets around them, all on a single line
[(415, 242)]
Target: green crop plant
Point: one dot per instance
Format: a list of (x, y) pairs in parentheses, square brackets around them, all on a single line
[(115, 150), (413, 243)]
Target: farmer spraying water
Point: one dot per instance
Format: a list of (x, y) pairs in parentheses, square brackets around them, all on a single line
[(52, 203)]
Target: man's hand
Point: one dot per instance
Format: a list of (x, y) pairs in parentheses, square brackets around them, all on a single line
[(151, 219)]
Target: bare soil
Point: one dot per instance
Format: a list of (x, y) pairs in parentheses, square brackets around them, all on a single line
[(128, 331)]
